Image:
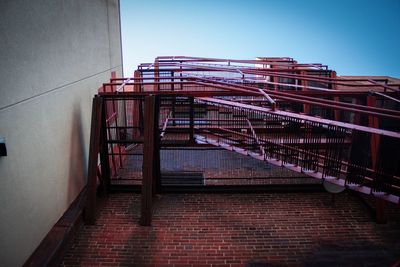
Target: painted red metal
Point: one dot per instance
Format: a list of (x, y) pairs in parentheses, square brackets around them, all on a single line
[(302, 117)]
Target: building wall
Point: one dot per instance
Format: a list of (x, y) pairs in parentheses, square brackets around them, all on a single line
[(54, 55)]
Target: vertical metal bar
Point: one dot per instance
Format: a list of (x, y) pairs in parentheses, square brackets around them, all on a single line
[(90, 210), (191, 119), (156, 187), (104, 157), (356, 119), (373, 122), (173, 98), (275, 79), (306, 107), (148, 158), (115, 111), (156, 86), (141, 116), (109, 132), (336, 112), (136, 107), (118, 133), (375, 140)]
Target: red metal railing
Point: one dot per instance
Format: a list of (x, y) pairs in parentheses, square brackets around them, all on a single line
[(299, 116)]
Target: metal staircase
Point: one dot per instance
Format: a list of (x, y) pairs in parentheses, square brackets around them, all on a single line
[(301, 117)]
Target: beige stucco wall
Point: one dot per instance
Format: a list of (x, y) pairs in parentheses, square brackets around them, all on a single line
[(54, 55)]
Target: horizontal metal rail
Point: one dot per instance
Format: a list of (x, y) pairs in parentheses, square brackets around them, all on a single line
[(327, 122)]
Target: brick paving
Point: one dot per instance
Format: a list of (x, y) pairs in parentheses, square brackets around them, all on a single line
[(269, 229)]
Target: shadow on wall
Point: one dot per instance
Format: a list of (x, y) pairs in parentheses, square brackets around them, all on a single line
[(78, 157)]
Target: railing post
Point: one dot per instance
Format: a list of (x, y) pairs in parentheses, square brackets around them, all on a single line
[(373, 122), (156, 150), (306, 107), (191, 119), (332, 85), (104, 157), (156, 86), (149, 173), (95, 132), (156, 162), (375, 140), (173, 98), (136, 106)]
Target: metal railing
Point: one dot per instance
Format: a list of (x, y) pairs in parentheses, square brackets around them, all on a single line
[(256, 116)]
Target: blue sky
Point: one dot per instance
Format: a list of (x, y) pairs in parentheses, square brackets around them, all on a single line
[(351, 37)]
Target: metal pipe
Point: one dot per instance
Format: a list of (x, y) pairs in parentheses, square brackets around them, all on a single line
[(303, 117), (389, 97)]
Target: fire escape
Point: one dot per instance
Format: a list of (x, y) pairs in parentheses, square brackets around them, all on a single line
[(161, 130)]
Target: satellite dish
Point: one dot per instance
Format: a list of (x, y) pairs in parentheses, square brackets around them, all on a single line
[(333, 188)]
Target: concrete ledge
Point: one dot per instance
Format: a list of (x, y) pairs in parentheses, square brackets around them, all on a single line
[(52, 248)]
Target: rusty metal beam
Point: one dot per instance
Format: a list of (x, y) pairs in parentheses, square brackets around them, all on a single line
[(94, 149), (149, 174)]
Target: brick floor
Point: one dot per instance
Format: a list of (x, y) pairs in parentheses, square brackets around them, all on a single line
[(293, 229)]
